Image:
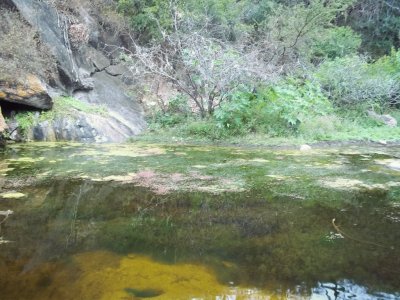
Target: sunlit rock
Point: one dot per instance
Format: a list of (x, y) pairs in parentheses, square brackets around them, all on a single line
[(12, 195), (29, 91)]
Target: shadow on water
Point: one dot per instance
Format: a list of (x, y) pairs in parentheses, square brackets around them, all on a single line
[(275, 236)]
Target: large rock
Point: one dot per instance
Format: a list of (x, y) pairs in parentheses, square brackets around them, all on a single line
[(99, 61), (83, 127), (82, 69), (108, 91), (53, 30), (30, 92), (117, 70)]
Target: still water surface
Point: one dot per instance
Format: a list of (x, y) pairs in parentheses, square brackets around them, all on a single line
[(137, 221)]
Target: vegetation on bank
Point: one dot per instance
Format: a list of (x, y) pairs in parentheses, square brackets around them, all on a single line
[(330, 103), (267, 70), (63, 107), (237, 70)]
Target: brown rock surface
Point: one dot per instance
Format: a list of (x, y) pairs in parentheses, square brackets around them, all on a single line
[(30, 91)]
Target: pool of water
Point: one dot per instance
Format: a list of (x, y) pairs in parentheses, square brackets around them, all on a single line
[(142, 221)]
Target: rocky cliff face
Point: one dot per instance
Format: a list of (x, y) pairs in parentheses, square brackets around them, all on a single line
[(84, 72)]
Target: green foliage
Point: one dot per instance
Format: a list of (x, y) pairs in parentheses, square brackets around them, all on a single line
[(63, 107), (320, 127), (293, 28), (148, 18), (176, 112), (257, 12), (378, 23), (335, 42), (25, 121), (237, 113), (179, 105), (388, 64), (208, 129), (353, 81), (275, 109), (66, 105), (222, 18), (292, 101), (322, 35)]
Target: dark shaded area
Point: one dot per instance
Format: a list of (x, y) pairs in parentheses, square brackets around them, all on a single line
[(10, 109)]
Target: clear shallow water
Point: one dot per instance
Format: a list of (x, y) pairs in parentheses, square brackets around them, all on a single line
[(143, 221)]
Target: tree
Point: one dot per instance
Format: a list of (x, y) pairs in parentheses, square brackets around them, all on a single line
[(288, 32), (378, 22), (204, 68)]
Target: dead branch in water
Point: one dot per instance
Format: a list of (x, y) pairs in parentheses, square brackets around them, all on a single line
[(355, 239)]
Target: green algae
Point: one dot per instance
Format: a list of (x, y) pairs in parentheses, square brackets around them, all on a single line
[(254, 217)]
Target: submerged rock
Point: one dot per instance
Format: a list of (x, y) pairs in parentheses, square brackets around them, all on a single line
[(393, 164), (305, 148)]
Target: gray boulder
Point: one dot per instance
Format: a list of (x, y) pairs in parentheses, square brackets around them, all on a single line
[(84, 73)]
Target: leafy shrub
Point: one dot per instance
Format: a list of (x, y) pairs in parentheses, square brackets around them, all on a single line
[(25, 121), (389, 64), (353, 81), (378, 23), (336, 42), (275, 109), (148, 18), (205, 129), (176, 112), (236, 113), (179, 104), (293, 100)]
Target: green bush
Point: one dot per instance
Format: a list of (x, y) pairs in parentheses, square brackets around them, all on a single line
[(176, 112), (148, 18), (205, 129), (388, 64), (335, 42), (276, 110), (237, 112), (293, 100), (353, 81)]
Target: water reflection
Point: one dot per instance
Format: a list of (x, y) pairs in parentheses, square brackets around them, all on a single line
[(275, 240), (347, 290)]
